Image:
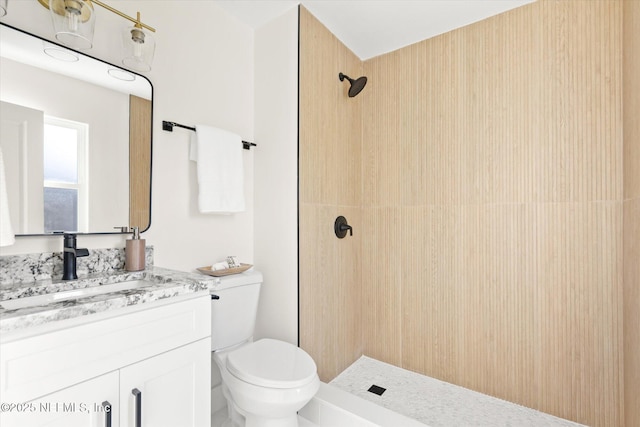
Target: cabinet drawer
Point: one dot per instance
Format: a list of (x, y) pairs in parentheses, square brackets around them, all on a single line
[(35, 366)]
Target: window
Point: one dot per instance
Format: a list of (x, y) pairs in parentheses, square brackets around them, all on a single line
[(65, 175)]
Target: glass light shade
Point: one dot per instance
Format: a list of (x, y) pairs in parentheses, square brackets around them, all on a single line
[(3, 7), (73, 22), (139, 46)]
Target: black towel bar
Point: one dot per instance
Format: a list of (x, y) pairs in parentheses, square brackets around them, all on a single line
[(168, 126)]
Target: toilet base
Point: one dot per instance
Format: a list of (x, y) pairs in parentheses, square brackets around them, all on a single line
[(234, 417), (237, 418)]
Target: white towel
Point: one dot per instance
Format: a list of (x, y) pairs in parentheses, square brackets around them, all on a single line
[(218, 154), (222, 265), (6, 231)]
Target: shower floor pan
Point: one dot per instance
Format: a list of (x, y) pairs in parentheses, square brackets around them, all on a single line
[(433, 402)]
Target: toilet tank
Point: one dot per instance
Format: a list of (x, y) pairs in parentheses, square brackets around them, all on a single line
[(234, 305)]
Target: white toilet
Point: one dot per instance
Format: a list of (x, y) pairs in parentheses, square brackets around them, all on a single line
[(267, 381)]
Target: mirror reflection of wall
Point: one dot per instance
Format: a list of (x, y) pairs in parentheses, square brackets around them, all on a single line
[(105, 183), (21, 135)]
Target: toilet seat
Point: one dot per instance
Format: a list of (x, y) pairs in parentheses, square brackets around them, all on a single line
[(272, 363)]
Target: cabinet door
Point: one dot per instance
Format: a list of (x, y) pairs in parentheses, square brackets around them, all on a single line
[(168, 390), (80, 405)]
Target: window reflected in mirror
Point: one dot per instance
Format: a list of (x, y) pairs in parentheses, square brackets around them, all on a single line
[(66, 175)]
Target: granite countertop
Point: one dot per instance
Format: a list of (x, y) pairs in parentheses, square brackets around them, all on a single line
[(166, 284)]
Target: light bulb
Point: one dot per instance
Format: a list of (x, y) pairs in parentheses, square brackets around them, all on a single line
[(72, 21), (137, 37)]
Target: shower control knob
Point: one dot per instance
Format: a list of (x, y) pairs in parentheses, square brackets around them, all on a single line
[(340, 227)]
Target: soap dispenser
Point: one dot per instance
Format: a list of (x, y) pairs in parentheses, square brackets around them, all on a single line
[(135, 252)]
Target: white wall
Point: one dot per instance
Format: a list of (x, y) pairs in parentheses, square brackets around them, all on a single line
[(276, 173), (21, 135), (202, 73)]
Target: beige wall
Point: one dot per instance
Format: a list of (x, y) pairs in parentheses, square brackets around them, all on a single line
[(493, 184), (329, 173), (491, 214), (631, 208)]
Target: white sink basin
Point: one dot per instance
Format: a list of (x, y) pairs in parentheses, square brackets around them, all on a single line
[(38, 300)]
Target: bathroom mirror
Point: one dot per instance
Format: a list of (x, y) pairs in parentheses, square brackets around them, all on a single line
[(76, 139)]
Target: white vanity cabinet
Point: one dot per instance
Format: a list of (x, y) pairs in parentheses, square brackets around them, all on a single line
[(173, 389), (69, 407), (62, 378)]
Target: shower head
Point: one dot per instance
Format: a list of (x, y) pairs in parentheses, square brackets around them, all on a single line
[(356, 85)]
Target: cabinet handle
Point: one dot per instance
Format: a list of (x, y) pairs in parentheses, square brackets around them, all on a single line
[(106, 407), (138, 396)]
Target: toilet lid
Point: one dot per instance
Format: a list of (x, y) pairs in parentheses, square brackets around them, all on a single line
[(272, 363)]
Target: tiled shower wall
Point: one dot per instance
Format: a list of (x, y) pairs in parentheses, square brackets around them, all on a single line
[(329, 171), (492, 183), (496, 229), (631, 208)]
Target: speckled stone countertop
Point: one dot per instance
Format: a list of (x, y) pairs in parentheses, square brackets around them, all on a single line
[(28, 268), (25, 276), (165, 284)]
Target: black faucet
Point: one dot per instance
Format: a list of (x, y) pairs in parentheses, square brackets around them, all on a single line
[(70, 254)]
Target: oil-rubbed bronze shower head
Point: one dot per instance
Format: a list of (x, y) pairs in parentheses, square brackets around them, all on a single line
[(356, 85)]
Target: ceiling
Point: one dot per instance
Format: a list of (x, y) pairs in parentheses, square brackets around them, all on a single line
[(374, 27)]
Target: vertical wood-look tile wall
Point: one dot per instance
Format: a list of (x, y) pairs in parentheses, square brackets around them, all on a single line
[(631, 207), (492, 208), (140, 115), (497, 233), (329, 162)]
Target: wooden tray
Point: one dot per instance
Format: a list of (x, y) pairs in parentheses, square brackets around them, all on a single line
[(226, 272)]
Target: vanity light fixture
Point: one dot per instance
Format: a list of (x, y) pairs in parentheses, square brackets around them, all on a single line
[(74, 22), (139, 46)]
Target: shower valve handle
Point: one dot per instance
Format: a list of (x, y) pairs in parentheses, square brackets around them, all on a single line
[(340, 227), (344, 227)]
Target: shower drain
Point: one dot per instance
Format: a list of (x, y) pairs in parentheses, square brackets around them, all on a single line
[(375, 389)]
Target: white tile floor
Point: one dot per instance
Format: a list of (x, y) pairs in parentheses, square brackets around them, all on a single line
[(436, 403), (218, 419)]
